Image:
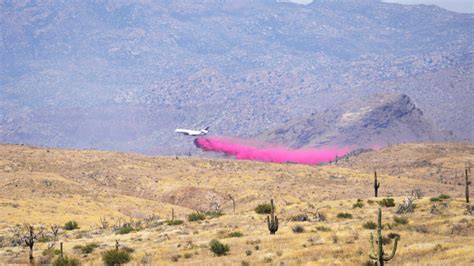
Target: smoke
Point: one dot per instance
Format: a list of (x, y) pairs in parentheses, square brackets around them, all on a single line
[(245, 150)]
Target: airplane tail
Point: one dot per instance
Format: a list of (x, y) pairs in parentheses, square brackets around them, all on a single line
[(206, 129)]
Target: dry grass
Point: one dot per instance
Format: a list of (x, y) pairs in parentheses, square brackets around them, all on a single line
[(45, 186)]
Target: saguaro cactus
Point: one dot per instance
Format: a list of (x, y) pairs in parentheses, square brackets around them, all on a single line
[(273, 221), (380, 258), (376, 184), (467, 184)]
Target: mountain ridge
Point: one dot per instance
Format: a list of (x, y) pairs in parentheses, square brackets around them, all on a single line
[(70, 71)]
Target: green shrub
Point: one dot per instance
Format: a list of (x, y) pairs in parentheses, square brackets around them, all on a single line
[(369, 225), (400, 220), (115, 257), (196, 216), (65, 261), (214, 214), (218, 248), (344, 215), (264, 208), (188, 255), (358, 204), (370, 202), (173, 222), (51, 252), (388, 202), (87, 249), (435, 199), (235, 234), (444, 196), (71, 225), (124, 230)]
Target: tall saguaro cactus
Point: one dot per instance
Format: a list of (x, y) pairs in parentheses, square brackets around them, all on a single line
[(273, 221), (467, 184), (380, 258), (376, 184)]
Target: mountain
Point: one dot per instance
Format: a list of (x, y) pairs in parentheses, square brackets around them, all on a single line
[(121, 75), (373, 121)]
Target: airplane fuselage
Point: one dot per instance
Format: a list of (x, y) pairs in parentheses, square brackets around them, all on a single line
[(190, 132)]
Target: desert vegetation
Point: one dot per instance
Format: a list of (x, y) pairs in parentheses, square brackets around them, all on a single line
[(419, 221)]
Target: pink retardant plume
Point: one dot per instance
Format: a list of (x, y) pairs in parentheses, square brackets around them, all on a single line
[(233, 147)]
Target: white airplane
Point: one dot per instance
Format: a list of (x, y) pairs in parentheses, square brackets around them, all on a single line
[(190, 132)]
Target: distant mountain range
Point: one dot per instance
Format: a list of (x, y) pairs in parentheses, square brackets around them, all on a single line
[(122, 75)]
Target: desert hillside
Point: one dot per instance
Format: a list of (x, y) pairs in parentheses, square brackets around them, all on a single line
[(44, 186), (376, 119)]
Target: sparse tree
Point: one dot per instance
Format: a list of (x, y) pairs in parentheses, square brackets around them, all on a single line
[(30, 237), (103, 223), (55, 231), (407, 205)]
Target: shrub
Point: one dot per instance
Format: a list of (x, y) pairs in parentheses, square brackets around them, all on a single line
[(51, 252), (370, 202), (173, 222), (297, 229), (196, 216), (214, 214), (444, 196), (435, 199), (124, 230), (115, 257), (65, 261), (358, 204), (44, 239), (235, 234), (300, 218), (264, 208), (388, 202), (188, 255), (71, 225), (218, 248), (344, 215), (89, 248), (400, 220), (323, 228), (175, 258), (369, 225), (248, 252)]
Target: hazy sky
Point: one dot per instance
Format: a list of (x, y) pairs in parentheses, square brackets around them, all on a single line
[(463, 6)]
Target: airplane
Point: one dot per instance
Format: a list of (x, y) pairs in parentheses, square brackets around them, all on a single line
[(190, 132)]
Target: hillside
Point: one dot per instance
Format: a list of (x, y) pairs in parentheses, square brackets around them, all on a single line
[(121, 75), (373, 121), (45, 186)]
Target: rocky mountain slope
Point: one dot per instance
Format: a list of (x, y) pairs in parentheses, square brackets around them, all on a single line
[(122, 75), (373, 121)]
